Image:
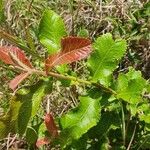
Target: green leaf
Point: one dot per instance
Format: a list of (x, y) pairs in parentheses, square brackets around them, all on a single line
[(31, 103), (42, 131), (108, 119), (80, 144), (51, 30), (79, 120), (144, 142), (144, 112), (106, 57), (1, 11), (148, 86), (8, 122), (130, 86), (31, 135), (23, 107), (83, 33)]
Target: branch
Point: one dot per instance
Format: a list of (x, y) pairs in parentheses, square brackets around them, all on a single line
[(59, 76)]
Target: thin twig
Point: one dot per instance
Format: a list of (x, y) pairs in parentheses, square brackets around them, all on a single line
[(8, 139), (48, 106), (139, 147), (60, 76), (12, 141), (132, 138), (123, 126)]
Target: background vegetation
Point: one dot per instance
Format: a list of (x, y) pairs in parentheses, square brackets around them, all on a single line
[(129, 20)]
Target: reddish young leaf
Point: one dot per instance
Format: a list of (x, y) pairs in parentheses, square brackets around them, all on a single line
[(17, 80), (72, 49), (50, 125), (7, 53), (41, 142)]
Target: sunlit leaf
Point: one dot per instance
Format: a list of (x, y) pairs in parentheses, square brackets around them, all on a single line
[(105, 57), (51, 30), (79, 120), (130, 86), (16, 57), (72, 49)]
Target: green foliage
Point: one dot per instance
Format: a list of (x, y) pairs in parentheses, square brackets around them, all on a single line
[(78, 121), (51, 30), (114, 117), (1, 11), (31, 103), (8, 122), (23, 107), (145, 142), (83, 33), (31, 135), (109, 119), (144, 112), (130, 86), (105, 57)]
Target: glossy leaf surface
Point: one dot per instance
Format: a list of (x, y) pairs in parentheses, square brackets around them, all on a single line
[(51, 30)]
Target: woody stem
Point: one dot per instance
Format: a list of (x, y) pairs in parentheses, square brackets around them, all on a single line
[(66, 77)]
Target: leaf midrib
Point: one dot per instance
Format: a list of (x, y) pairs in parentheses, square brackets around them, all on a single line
[(102, 60), (61, 55)]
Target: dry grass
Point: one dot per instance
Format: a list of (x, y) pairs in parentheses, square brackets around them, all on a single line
[(98, 17)]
